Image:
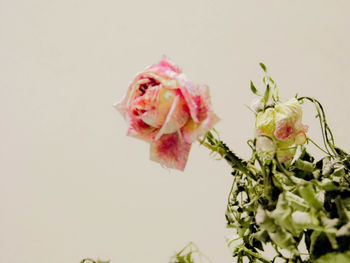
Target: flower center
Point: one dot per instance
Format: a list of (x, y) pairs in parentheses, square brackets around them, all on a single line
[(151, 83)]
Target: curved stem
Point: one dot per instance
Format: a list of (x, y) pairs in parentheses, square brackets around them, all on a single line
[(327, 134)]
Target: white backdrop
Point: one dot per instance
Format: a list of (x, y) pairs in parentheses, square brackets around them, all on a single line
[(73, 185)]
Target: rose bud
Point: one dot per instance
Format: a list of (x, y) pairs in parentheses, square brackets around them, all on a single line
[(282, 123), (288, 120)]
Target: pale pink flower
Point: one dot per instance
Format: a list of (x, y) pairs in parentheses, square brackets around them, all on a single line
[(283, 124), (288, 120), (164, 108)]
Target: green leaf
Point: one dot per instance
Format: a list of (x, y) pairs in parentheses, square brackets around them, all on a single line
[(181, 259), (328, 185), (296, 202), (254, 89), (267, 94), (283, 239), (305, 166), (188, 257), (334, 258), (308, 193), (263, 66)]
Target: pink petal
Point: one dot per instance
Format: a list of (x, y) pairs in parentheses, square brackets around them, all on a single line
[(165, 65), (171, 151), (284, 130), (122, 105), (197, 98), (177, 116), (192, 130), (203, 117), (139, 129)]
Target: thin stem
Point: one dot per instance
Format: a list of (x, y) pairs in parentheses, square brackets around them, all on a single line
[(319, 147), (327, 134), (255, 255), (229, 195), (284, 170)]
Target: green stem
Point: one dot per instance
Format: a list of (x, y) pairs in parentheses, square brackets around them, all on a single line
[(255, 255), (327, 134), (220, 147), (319, 147), (228, 207)]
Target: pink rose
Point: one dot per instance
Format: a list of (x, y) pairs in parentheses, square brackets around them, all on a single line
[(166, 109), (283, 122), (283, 125)]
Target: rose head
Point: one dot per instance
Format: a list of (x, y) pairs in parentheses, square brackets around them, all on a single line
[(164, 108), (282, 123)]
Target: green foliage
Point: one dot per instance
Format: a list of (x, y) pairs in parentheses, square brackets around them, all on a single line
[(253, 89), (189, 254), (334, 258), (262, 65), (287, 204)]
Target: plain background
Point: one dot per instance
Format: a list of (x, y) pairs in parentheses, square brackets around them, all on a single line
[(73, 185)]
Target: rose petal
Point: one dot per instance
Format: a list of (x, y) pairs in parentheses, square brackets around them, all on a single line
[(203, 118), (177, 117), (139, 129), (290, 110), (124, 103), (300, 139), (153, 110), (165, 65), (265, 122), (192, 130), (193, 98), (170, 150), (284, 130)]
